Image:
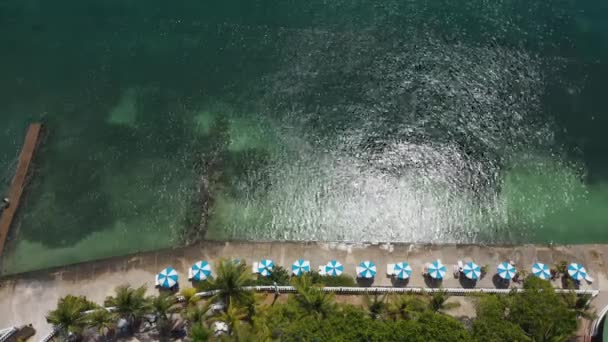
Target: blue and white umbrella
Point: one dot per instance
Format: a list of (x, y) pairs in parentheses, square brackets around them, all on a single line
[(506, 271), (541, 270), (403, 270), (334, 268), (201, 271), (366, 269), (167, 278), (265, 267), (471, 270), (437, 270), (300, 267), (577, 271)]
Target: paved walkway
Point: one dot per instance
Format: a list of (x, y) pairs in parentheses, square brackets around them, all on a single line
[(26, 298)]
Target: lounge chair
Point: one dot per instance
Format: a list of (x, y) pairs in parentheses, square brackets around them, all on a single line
[(390, 269), (425, 271), (460, 265), (456, 271), (190, 275), (156, 283), (589, 279), (255, 267)]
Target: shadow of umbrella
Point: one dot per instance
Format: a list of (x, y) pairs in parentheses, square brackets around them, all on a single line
[(365, 282), (432, 282), (466, 282), (397, 282), (171, 290), (500, 283)]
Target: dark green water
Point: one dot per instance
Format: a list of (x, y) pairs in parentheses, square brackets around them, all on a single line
[(418, 121)]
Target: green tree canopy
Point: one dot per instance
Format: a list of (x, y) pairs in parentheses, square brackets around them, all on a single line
[(542, 313), (491, 323)]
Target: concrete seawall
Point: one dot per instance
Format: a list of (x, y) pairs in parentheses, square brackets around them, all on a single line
[(26, 298)]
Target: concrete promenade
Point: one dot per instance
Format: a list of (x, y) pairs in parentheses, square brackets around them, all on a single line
[(26, 298)]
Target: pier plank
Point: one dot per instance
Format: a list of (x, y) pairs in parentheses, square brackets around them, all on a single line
[(19, 181)]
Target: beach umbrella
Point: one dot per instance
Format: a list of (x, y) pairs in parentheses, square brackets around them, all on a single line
[(334, 268), (201, 271), (300, 266), (577, 271), (506, 271), (167, 278), (471, 270), (437, 270), (366, 269), (265, 267), (541, 270), (403, 270)]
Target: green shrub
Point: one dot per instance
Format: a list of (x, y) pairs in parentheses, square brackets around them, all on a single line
[(541, 312), (562, 267), (484, 270), (341, 280), (278, 275)]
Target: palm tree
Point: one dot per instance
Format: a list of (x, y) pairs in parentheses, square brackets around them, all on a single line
[(438, 301), (407, 307), (130, 304), (68, 317), (260, 323), (234, 317), (103, 321), (311, 299), (162, 306), (377, 305), (200, 333), (244, 333), (195, 314), (189, 295), (230, 280)]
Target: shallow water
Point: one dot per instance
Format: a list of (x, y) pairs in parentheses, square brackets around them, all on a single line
[(344, 120)]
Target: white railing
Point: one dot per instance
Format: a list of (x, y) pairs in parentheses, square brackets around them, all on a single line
[(372, 290), (6, 334)]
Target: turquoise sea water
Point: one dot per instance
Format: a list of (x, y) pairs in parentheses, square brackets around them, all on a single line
[(412, 121)]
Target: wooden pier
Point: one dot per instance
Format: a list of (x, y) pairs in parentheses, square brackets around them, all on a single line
[(19, 182)]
